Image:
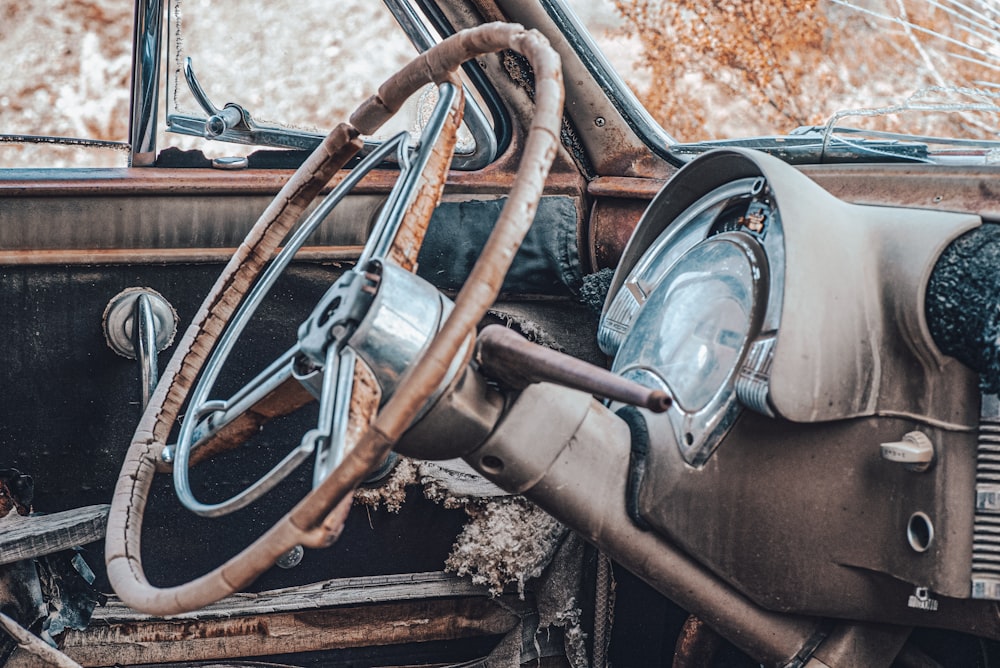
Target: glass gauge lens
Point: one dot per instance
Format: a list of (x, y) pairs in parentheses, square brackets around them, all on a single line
[(694, 327), (714, 213)]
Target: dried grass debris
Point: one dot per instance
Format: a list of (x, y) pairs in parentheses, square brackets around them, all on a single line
[(506, 541), (390, 493)]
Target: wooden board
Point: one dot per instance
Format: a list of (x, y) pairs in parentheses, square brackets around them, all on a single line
[(37, 535), (336, 614)]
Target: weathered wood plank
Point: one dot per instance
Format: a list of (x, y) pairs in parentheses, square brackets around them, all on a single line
[(329, 593), (334, 614), (371, 625), (38, 535)]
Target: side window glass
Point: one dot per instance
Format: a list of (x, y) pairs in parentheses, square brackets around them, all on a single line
[(280, 74), (64, 98)]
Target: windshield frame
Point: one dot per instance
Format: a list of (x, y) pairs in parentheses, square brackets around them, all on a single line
[(651, 133)]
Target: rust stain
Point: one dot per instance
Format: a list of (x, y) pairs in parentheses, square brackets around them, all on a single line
[(167, 632), (411, 623), (612, 221), (697, 644)]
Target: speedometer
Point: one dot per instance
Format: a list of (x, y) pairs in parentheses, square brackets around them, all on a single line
[(694, 328), (696, 304), (691, 335)]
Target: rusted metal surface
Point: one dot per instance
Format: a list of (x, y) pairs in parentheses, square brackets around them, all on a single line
[(135, 256), (620, 187), (492, 180), (612, 221), (600, 138), (410, 237), (697, 645), (511, 358), (967, 189), (974, 189)]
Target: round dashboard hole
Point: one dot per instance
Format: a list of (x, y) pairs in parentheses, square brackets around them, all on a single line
[(492, 463), (920, 532)]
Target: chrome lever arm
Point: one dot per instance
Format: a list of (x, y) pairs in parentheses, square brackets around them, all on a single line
[(231, 117), (196, 90), (144, 332), (215, 416), (138, 324)]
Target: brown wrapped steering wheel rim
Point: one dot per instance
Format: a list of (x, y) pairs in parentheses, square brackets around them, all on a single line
[(316, 521)]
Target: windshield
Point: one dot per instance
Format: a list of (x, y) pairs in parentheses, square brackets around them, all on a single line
[(816, 69)]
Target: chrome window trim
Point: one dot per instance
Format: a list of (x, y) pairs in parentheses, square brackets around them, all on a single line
[(147, 42)]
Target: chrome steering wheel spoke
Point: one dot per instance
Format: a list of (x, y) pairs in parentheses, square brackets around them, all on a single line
[(329, 438), (211, 417)]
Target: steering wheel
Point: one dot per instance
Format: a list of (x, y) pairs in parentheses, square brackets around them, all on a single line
[(316, 521)]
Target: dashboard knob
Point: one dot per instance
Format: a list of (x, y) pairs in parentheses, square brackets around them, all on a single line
[(916, 451)]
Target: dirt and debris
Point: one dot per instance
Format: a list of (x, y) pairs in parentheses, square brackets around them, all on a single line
[(455, 484), (507, 541), (390, 493), (595, 288), (526, 327)]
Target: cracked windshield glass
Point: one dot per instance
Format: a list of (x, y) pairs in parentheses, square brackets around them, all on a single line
[(705, 71)]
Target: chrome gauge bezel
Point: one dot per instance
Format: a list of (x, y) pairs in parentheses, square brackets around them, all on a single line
[(688, 230), (698, 429), (699, 432)]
